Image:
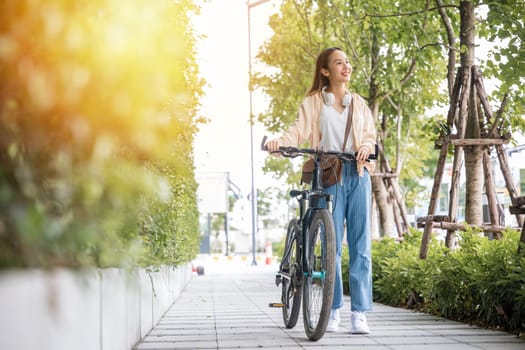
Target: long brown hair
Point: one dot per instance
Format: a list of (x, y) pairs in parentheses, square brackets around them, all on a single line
[(320, 80)]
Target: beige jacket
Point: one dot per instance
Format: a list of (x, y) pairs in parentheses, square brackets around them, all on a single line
[(306, 127)]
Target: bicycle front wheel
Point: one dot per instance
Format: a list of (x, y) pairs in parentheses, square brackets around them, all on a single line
[(318, 287), (290, 273)]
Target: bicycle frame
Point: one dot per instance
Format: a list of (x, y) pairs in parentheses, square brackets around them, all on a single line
[(307, 269), (305, 213), (313, 196)]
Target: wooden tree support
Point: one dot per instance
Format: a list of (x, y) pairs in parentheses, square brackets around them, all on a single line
[(444, 225), (455, 141), (468, 92), (519, 202), (400, 213), (385, 174), (518, 208)]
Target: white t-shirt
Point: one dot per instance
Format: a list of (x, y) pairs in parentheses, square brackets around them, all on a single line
[(332, 125)]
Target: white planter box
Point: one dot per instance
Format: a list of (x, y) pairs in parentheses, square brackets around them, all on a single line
[(98, 309)]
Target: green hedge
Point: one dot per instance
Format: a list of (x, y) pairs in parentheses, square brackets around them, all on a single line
[(97, 118), (482, 282)]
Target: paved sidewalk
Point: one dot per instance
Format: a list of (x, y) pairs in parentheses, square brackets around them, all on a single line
[(227, 308)]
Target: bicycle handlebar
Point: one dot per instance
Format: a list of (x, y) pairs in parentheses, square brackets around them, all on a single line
[(292, 152)]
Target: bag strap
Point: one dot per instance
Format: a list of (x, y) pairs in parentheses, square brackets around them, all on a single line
[(348, 122)]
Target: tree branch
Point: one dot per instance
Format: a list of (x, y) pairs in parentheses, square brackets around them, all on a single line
[(393, 104), (405, 79), (356, 57), (400, 14), (451, 44), (410, 72), (437, 44)]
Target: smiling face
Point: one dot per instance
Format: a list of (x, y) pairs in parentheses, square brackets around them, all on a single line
[(331, 68), (338, 70)]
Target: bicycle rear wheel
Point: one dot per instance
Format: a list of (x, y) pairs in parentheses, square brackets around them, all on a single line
[(318, 286), (291, 276)]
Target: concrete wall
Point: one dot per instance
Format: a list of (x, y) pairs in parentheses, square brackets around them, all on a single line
[(99, 309)]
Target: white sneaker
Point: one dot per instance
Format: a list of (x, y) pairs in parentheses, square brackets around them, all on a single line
[(358, 324), (333, 322)]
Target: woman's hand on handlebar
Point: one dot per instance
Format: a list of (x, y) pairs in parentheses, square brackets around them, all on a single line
[(362, 154), (272, 146)]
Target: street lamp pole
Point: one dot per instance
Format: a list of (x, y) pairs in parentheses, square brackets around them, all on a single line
[(253, 199)]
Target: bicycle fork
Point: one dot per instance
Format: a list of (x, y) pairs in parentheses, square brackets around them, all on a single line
[(308, 265)]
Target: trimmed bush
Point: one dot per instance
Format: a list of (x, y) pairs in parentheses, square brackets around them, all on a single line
[(481, 282), (97, 117)]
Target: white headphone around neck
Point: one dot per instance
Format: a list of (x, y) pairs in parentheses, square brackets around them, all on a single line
[(329, 98)]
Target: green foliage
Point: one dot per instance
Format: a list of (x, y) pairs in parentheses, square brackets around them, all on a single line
[(480, 282), (381, 48), (97, 121), (383, 40), (278, 248), (170, 228), (345, 270), (504, 25)]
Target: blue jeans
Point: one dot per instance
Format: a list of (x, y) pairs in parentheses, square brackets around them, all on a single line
[(352, 205)]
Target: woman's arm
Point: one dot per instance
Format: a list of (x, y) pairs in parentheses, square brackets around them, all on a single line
[(300, 131)]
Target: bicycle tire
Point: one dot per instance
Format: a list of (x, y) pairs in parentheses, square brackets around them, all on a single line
[(318, 285), (291, 290)]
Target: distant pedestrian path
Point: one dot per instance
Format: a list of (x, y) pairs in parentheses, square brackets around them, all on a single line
[(227, 308)]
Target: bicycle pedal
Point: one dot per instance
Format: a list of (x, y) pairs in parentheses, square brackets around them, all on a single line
[(279, 305)]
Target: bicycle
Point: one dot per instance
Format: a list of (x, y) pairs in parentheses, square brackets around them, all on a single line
[(307, 268)]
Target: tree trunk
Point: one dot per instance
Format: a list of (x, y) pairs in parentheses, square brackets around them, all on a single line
[(474, 185), (384, 207), (473, 154), (385, 213)]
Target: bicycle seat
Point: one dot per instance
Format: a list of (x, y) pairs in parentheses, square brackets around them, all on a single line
[(297, 193)]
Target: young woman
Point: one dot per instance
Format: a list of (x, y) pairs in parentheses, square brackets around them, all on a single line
[(321, 123)]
